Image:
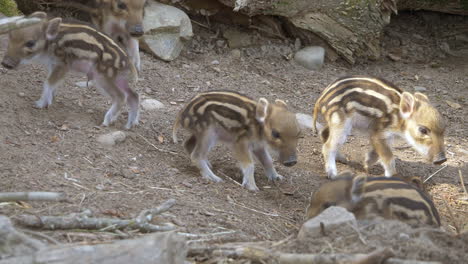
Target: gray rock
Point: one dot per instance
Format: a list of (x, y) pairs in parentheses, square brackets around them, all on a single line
[(237, 39), (112, 138), (310, 57), (151, 105), (420, 88), (236, 54), (167, 28), (333, 218)]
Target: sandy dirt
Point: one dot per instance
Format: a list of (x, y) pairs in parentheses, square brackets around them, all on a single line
[(55, 149)]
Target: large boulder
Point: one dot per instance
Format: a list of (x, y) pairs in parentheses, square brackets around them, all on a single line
[(166, 30)]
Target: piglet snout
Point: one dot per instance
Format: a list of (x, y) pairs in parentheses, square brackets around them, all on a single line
[(137, 31), (440, 158), (8, 63)]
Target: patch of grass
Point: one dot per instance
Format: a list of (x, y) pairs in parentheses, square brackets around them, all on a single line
[(9, 8)]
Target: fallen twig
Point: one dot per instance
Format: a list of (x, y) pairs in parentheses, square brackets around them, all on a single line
[(156, 148), (462, 182), (83, 221), (263, 255), (147, 215), (16, 22), (37, 234), (432, 175), (33, 196)]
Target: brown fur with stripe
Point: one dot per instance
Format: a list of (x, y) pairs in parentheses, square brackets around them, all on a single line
[(65, 47), (120, 19), (382, 110), (248, 126), (368, 198)]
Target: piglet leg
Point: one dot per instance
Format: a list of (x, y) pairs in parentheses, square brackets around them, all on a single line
[(54, 79)]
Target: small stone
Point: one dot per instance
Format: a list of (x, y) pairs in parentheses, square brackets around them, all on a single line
[(148, 90), (403, 236), (90, 111), (208, 83), (420, 88), (216, 69), (334, 218), (215, 62), (21, 94), (235, 53), (394, 57), (151, 105), (112, 138), (453, 104), (84, 84), (311, 57), (266, 82)]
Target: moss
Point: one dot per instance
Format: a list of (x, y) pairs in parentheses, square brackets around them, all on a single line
[(8, 8)]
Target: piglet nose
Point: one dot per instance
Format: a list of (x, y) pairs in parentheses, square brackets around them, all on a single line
[(137, 31), (7, 65), (440, 159), (290, 163)]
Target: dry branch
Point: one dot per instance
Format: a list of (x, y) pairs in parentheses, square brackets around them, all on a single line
[(165, 247), (259, 254), (83, 221), (146, 215), (16, 22), (33, 196)]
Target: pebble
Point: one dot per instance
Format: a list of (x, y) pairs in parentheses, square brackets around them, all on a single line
[(235, 53), (151, 104), (215, 62), (112, 138), (311, 57), (21, 94)]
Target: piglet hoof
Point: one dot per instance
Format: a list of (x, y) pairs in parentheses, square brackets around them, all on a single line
[(250, 186), (275, 177), (41, 104), (331, 175), (212, 177)]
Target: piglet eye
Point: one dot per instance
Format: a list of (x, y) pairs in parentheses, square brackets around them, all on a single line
[(275, 134), (122, 5), (423, 130), (30, 44)]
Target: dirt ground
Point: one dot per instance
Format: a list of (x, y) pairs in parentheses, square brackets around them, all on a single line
[(55, 149)]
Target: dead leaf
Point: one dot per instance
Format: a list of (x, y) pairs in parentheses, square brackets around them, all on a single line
[(64, 127), (394, 57), (161, 139), (54, 139), (24, 205), (113, 212), (453, 104)]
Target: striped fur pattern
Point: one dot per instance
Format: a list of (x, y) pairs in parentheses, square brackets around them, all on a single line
[(72, 46), (368, 198), (383, 110), (120, 19), (248, 126)]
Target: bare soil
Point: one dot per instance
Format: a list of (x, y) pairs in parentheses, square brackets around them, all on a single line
[(55, 149)]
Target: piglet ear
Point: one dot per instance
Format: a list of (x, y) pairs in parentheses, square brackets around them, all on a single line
[(281, 103), (406, 105), (421, 97), (39, 14), (262, 108), (53, 28), (357, 189)]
